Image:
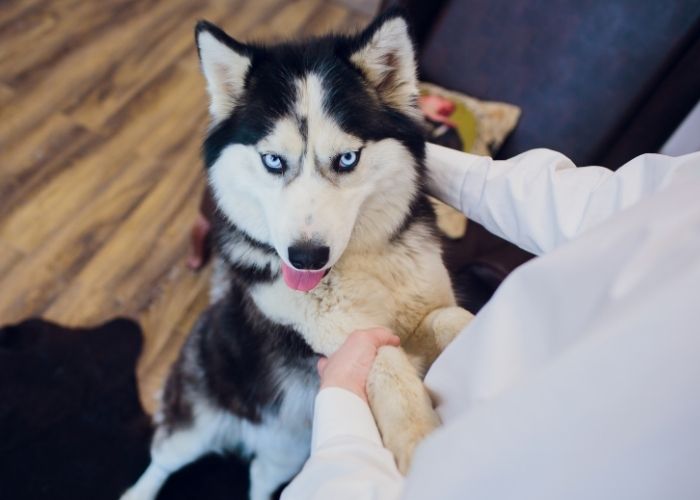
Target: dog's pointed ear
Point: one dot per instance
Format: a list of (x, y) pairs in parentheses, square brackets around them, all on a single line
[(385, 55), (225, 64)]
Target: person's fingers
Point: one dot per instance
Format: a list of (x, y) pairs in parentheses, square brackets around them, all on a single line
[(393, 340), (378, 337), (195, 258), (383, 336), (321, 366), (194, 262), (200, 243)]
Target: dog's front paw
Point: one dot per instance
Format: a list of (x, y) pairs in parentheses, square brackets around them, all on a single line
[(403, 439), (447, 323), (400, 404)]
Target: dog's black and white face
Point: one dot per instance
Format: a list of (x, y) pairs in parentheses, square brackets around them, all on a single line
[(314, 146)]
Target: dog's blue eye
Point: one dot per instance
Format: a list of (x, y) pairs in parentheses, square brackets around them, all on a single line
[(273, 163), (347, 161)]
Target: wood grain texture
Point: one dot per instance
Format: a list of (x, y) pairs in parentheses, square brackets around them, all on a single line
[(102, 111)]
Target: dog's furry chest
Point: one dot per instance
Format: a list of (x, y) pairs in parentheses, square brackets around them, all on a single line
[(395, 290)]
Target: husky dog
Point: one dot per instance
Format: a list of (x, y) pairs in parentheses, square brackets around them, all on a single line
[(315, 157)]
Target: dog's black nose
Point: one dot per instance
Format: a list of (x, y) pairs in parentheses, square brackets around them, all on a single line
[(308, 256)]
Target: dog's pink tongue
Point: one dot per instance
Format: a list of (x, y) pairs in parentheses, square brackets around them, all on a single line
[(301, 280)]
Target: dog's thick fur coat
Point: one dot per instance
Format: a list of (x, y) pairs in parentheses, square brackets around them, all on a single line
[(313, 145)]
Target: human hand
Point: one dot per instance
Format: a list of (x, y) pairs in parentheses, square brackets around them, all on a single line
[(349, 366), (200, 243)]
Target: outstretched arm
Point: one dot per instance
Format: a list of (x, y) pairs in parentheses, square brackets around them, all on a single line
[(348, 460), (539, 199)]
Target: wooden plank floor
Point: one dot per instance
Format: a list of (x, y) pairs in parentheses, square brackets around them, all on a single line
[(102, 110)]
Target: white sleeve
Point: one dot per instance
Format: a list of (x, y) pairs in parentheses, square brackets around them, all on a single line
[(539, 199), (347, 458)]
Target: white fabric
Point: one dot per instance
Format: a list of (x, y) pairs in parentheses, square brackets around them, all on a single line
[(347, 449), (580, 379)]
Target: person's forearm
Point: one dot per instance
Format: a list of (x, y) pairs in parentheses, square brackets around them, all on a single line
[(539, 199), (347, 458)]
